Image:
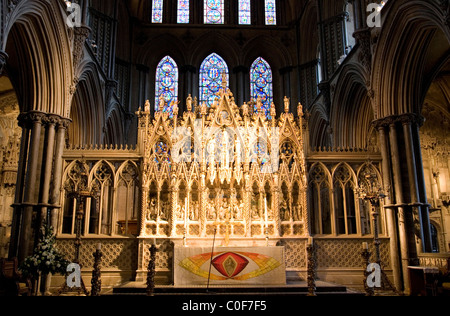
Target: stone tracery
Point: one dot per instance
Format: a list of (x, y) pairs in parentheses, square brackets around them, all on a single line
[(230, 175)]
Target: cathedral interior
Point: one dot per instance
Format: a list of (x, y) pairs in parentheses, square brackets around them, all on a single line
[(259, 124)]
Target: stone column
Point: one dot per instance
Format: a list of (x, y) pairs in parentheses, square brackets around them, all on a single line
[(203, 204), (286, 75), (174, 208), (187, 73), (390, 211), (47, 163), (424, 208), (144, 208), (413, 186), (242, 84), (55, 195), (26, 229), (21, 172), (402, 222)]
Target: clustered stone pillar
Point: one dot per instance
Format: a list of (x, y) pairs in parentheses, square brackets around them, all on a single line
[(407, 210), (38, 180)]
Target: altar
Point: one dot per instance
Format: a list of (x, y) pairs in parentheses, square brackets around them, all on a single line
[(222, 171), (230, 266)]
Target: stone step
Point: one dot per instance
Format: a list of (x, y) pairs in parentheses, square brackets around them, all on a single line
[(298, 288)]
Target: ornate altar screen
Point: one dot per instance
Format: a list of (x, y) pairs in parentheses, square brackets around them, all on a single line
[(222, 169)]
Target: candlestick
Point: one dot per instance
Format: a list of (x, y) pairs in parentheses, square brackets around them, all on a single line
[(265, 208), (185, 213)]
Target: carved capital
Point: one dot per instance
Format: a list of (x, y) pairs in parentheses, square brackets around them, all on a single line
[(411, 118), (64, 123), (80, 35), (363, 37), (51, 119), (407, 118)]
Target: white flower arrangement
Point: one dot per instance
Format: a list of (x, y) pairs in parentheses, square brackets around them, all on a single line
[(45, 259)]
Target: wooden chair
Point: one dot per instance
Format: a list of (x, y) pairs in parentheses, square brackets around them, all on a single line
[(12, 283)]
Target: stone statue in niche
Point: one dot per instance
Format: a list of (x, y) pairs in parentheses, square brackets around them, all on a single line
[(284, 211), (194, 211), (161, 105), (210, 211), (164, 208), (152, 211), (286, 104), (189, 103)]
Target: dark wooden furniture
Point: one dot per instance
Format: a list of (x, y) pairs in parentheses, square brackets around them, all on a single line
[(12, 283)]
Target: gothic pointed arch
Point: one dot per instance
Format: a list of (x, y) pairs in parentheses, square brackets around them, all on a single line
[(114, 129), (167, 76), (87, 104), (212, 71), (39, 49), (319, 131), (404, 51), (261, 83), (352, 113)]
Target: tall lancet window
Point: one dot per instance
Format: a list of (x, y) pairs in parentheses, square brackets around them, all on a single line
[(183, 11), (166, 85), (271, 12), (262, 84), (157, 11), (245, 12), (212, 72), (214, 11)]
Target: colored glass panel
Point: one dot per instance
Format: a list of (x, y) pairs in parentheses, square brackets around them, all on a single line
[(183, 11), (214, 11), (166, 84), (262, 83), (271, 12), (211, 72), (244, 12), (157, 11)]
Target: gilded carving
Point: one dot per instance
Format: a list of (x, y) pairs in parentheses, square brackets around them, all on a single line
[(226, 165)]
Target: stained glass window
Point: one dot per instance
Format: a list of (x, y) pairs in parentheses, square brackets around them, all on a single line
[(183, 11), (244, 12), (214, 12), (157, 11), (166, 84), (211, 72), (261, 83), (271, 12)]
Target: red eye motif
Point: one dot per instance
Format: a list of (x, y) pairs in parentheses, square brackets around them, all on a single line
[(230, 264)]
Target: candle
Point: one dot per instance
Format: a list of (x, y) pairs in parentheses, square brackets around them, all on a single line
[(185, 216), (99, 247), (365, 246), (265, 208), (154, 241), (310, 241)]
